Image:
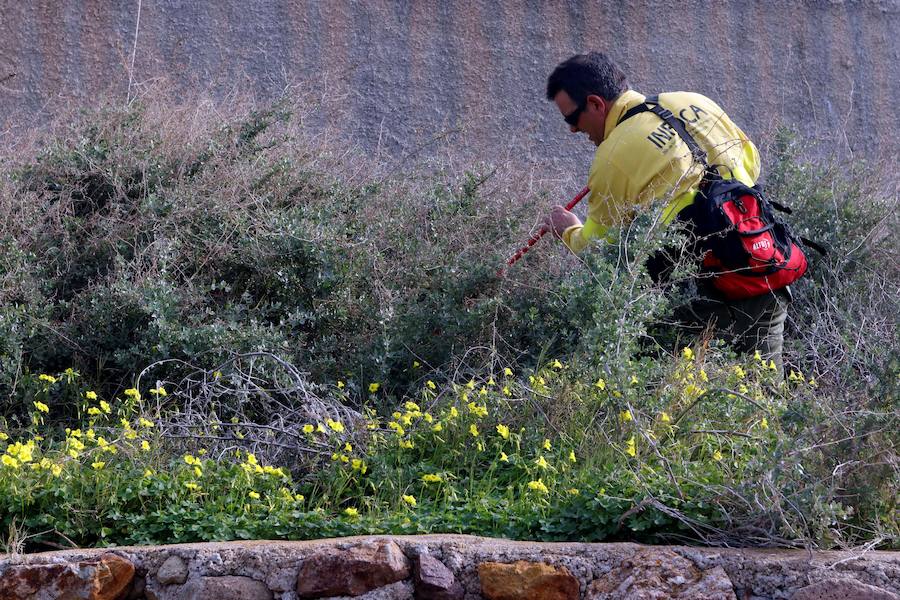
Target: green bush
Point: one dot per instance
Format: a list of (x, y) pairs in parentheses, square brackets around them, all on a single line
[(273, 283)]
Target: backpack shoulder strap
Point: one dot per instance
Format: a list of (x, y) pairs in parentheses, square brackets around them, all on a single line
[(652, 104)]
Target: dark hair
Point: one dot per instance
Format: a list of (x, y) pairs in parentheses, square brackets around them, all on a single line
[(587, 74)]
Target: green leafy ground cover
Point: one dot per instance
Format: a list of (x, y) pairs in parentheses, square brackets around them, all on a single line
[(216, 325)]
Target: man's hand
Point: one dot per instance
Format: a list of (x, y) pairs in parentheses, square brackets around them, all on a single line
[(559, 220)]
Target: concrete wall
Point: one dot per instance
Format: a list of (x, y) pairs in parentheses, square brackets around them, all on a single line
[(394, 73)]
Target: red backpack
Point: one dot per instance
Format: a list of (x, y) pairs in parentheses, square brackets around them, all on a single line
[(745, 249)]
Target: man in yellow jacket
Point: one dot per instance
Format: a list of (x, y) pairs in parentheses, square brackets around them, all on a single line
[(640, 160)]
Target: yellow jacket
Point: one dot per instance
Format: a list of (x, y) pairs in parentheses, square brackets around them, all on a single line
[(639, 161)]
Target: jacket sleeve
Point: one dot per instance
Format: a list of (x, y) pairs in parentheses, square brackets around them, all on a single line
[(612, 194)]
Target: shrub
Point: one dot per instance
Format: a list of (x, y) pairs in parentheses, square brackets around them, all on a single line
[(295, 299)]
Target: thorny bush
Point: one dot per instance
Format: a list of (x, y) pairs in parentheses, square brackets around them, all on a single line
[(298, 299)]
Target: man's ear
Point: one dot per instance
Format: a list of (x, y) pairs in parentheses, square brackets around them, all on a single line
[(598, 103)]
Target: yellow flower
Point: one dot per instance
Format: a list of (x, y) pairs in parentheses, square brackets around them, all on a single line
[(94, 411), (148, 472), (48, 378), (407, 444), (717, 455), (600, 384), (396, 427), (299, 498), (251, 459), (145, 423), (320, 428), (160, 391), (703, 376), (764, 423), (9, 461), (506, 391), (739, 372), (471, 384), (431, 478), (253, 494), (542, 463), (356, 464), (56, 470), (133, 394), (473, 430), (98, 464), (191, 486), (41, 406), (373, 387), (757, 356), (491, 381), (412, 406), (90, 395), (270, 470), (453, 412), (340, 384), (335, 425), (348, 447), (437, 428), (3, 436), (556, 364), (546, 445), (504, 457), (411, 500), (217, 374), (104, 406), (631, 447), (308, 428), (687, 353), (692, 391), (482, 391), (416, 364), (198, 472), (508, 372), (145, 445), (664, 417), (430, 385), (625, 415), (351, 512), (573, 491), (538, 486), (634, 380), (572, 456), (772, 365), (503, 430), (480, 411), (428, 418)]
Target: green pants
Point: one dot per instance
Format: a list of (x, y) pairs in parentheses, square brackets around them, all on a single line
[(751, 324)]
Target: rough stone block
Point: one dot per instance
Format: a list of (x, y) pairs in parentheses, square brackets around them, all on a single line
[(843, 589), (352, 572), (228, 587), (434, 581), (104, 578), (525, 580), (654, 573), (173, 570)]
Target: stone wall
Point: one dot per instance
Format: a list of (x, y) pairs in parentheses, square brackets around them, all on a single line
[(445, 568), (393, 74)]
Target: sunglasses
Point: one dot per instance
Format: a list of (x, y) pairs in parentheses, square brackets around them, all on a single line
[(572, 117)]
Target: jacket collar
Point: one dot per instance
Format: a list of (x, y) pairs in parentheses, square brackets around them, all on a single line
[(625, 101)]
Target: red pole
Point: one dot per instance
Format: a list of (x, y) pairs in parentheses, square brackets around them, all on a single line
[(534, 239)]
